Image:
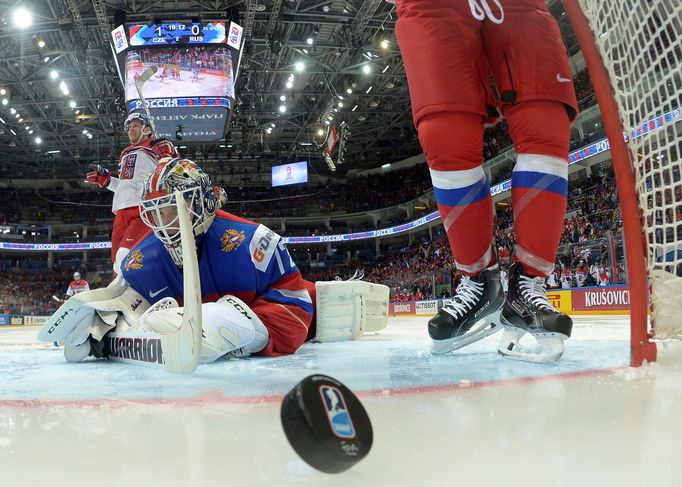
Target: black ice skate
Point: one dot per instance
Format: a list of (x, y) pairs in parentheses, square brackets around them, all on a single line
[(473, 314), (527, 310)]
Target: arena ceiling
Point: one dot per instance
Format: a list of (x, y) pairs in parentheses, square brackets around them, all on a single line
[(70, 38)]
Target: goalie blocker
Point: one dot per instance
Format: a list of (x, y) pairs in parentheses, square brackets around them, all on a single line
[(119, 323)]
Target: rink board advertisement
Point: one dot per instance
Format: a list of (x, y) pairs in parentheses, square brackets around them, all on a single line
[(609, 300), (17, 320)]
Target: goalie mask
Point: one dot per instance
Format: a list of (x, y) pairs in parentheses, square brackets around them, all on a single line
[(158, 209)]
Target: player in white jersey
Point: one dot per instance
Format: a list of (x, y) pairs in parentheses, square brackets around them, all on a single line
[(136, 161), (78, 285)]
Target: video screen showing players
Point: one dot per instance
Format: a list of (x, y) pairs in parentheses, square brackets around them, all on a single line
[(181, 72)]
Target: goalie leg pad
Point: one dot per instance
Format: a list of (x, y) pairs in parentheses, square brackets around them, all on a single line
[(229, 327), (346, 309)]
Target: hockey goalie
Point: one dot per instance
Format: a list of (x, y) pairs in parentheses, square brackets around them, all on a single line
[(253, 299)]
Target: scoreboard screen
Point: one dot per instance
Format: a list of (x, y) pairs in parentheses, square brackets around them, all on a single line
[(291, 173), (177, 33), (191, 93), (189, 71)]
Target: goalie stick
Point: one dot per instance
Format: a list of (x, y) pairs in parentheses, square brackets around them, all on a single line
[(179, 351), (59, 300), (139, 83)]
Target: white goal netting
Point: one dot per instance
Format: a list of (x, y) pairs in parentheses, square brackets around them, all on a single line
[(640, 42)]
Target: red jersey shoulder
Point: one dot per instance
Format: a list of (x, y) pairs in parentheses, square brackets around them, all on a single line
[(229, 216)]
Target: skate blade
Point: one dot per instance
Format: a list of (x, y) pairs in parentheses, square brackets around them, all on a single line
[(481, 329), (550, 346)]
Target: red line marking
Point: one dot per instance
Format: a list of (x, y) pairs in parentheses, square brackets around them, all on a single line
[(217, 398)]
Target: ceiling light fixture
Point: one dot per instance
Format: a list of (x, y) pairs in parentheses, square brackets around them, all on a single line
[(22, 18)]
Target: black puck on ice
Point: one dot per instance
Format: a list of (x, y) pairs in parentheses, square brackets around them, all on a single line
[(326, 424)]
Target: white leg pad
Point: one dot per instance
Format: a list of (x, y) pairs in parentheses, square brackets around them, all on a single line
[(346, 309), (229, 326)]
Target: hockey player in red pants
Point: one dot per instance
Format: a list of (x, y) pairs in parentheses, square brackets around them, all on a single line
[(136, 161), (449, 49)]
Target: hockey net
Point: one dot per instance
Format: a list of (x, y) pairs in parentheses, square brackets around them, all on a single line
[(639, 54)]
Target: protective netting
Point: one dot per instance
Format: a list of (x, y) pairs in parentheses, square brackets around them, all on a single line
[(640, 42)]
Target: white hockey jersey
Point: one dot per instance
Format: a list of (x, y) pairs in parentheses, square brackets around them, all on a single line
[(135, 163)]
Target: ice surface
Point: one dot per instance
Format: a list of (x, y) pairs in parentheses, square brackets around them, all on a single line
[(469, 418), (156, 87)]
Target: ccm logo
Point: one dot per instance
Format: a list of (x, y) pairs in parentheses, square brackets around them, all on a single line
[(263, 244)]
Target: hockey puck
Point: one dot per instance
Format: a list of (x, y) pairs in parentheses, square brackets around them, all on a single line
[(326, 424)]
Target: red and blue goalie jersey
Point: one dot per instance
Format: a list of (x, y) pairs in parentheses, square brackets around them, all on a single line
[(241, 258)]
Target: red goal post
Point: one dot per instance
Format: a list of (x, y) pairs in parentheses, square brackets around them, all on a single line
[(633, 51)]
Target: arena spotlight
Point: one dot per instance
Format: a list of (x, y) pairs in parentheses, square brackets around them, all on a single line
[(22, 18), (39, 140), (367, 69), (41, 43), (3, 91), (54, 74), (299, 66)]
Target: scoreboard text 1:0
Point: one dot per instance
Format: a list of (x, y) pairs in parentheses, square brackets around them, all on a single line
[(177, 33)]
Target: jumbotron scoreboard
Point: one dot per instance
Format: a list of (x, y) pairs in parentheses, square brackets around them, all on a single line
[(177, 33), (191, 94)]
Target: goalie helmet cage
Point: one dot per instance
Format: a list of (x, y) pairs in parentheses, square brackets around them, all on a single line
[(633, 51)]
